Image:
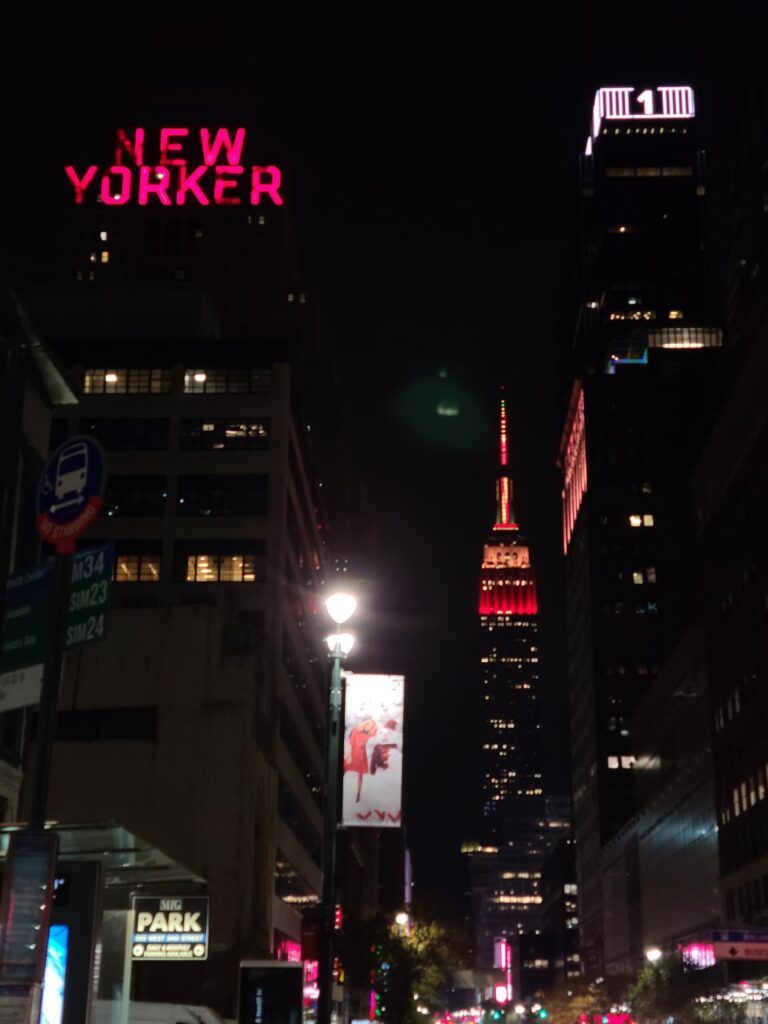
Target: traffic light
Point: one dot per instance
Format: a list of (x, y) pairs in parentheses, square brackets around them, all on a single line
[(542, 1014)]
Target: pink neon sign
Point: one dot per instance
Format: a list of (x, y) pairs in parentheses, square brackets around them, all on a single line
[(204, 167), (573, 462), (503, 433), (625, 103)]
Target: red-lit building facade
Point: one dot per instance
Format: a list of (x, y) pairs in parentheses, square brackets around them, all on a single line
[(505, 866), (509, 662)]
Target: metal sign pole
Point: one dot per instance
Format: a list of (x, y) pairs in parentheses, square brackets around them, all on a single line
[(49, 697)]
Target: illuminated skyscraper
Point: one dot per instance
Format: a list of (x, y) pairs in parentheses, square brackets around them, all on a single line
[(647, 363), (509, 661), (505, 868)]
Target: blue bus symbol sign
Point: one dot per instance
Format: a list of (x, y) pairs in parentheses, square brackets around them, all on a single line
[(69, 492)]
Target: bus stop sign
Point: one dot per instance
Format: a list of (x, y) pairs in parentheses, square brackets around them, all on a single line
[(69, 492)]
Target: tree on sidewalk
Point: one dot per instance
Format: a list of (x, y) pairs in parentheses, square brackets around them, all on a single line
[(398, 963)]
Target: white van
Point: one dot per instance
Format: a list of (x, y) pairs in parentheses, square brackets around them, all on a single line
[(155, 1013)]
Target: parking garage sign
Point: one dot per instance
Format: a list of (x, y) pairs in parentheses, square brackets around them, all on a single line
[(69, 492), (170, 928)]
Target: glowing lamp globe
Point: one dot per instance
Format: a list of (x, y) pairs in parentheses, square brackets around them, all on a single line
[(500, 993), (652, 955), (341, 606), (345, 641)]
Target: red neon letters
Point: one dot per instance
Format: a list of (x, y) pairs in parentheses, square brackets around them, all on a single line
[(220, 178)]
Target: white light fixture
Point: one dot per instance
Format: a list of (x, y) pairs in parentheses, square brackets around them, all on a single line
[(341, 606), (201, 378), (110, 378), (653, 954), (402, 919), (345, 641)]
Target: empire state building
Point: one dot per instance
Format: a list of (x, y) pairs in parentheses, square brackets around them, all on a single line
[(505, 866), (509, 659)]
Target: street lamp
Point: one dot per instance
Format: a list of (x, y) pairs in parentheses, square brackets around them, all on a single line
[(340, 607), (653, 955)]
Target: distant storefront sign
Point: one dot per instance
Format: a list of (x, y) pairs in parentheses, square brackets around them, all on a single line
[(170, 928)]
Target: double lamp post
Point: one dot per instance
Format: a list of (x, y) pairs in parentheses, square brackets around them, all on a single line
[(340, 606)]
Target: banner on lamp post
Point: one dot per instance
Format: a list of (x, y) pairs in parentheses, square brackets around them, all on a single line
[(373, 750)]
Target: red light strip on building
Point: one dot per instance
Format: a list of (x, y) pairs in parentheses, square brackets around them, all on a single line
[(503, 433)]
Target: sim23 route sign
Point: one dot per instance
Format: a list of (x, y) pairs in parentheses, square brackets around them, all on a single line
[(69, 492)]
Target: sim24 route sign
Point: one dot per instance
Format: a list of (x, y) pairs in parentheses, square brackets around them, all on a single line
[(170, 928), (86, 618), (69, 492)]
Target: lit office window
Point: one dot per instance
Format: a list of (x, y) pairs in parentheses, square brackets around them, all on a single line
[(637, 577), (227, 382), (224, 435), (126, 382), (216, 568), (137, 568), (685, 337), (636, 520)]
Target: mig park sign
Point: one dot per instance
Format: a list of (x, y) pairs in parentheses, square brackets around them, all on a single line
[(176, 166), (170, 928)]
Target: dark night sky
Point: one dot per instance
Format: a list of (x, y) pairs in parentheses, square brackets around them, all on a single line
[(434, 160)]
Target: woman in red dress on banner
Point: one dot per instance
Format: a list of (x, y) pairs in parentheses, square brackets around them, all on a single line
[(357, 758)]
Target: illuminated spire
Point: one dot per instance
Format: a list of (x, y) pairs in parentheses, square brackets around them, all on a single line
[(505, 516)]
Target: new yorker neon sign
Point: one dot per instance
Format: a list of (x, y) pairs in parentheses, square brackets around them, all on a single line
[(203, 167)]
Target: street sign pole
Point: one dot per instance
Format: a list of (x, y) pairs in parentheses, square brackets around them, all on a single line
[(49, 697), (68, 499)]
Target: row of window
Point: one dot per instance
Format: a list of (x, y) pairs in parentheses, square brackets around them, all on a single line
[(158, 381), (220, 495), (639, 607), (621, 668), (747, 898), (636, 520), (747, 794), (142, 563), (153, 434), (621, 761), (648, 172), (731, 708)]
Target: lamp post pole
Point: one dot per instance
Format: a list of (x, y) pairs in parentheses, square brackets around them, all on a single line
[(328, 911)]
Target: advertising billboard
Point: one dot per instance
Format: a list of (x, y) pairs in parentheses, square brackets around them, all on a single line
[(170, 928), (55, 975), (373, 750)]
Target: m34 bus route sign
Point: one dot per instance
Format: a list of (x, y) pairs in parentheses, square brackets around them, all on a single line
[(69, 492), (86, 618)]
